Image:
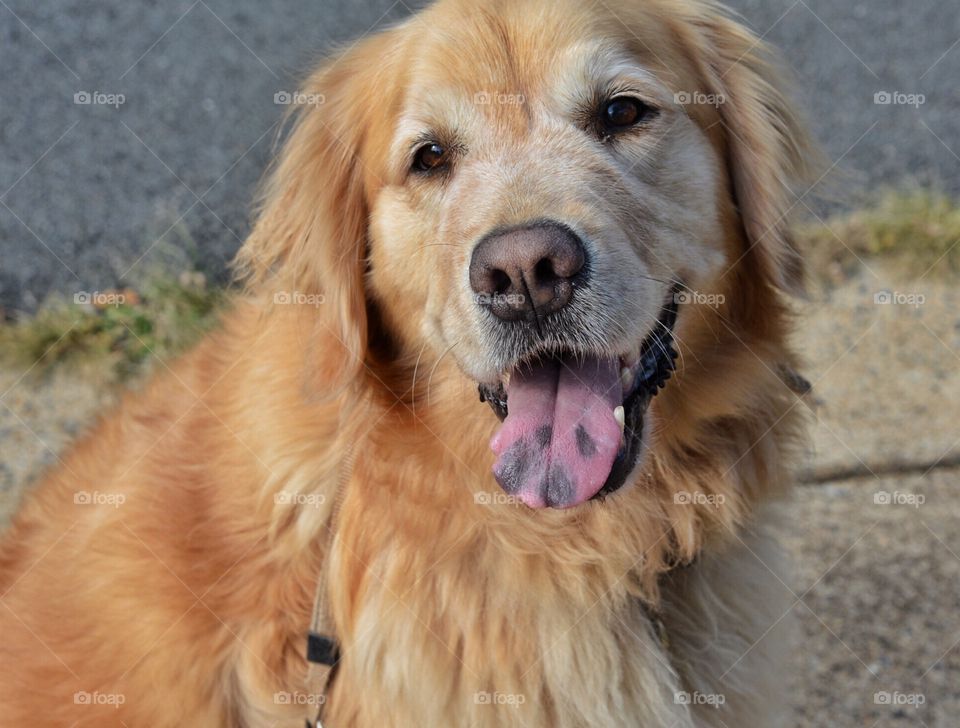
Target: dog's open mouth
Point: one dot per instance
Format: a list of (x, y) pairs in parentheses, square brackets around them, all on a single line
[(573, 424)]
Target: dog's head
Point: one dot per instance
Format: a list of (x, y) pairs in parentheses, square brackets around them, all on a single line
[(533, 188)]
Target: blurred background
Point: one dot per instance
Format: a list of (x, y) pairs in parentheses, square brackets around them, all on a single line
[(133, 135)]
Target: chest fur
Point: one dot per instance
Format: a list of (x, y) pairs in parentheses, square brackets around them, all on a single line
[(466, 632)]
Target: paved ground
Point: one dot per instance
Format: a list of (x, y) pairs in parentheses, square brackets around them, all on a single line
[(887, 376), (876, 594), (874, 535), (92, 195)]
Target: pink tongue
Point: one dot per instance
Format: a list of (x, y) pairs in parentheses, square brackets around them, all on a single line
[(558, 443)]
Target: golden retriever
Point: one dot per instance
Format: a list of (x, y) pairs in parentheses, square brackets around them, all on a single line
[(556, 203)]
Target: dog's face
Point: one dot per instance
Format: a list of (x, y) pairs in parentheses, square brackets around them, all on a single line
[(547, 194), (534, 193), (544, 201)]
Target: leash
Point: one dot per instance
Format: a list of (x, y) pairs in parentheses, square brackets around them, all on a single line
[(323, 651)]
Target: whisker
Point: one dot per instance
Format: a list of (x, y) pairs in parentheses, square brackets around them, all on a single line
[(436, 364), (680, 344), (413, 384)]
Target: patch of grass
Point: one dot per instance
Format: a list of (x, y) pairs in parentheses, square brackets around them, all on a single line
[(115, 332), (919, 230)]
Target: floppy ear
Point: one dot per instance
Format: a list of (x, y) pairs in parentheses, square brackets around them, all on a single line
[(768, 151), (310, 234)]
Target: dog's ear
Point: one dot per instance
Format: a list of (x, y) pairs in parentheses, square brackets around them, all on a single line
[(768, 151), (310, 234)]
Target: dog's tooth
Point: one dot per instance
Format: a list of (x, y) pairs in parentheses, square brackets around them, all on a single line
[(618, 415), (506, 380), (626, 378)]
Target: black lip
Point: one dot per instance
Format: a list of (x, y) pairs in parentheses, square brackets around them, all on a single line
[(657, 363)]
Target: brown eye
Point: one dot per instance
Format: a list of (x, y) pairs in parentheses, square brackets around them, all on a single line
[(429, 157), (623, 112)]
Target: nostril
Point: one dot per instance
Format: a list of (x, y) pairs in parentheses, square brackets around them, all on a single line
[(544, 270), (499, 281)]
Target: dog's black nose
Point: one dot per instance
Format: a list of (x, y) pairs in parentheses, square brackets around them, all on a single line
[(528, 271)]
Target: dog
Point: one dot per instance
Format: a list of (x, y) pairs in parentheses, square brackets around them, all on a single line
[(501, 391)]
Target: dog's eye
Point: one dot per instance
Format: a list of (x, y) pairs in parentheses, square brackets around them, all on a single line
[(429, 157), (624, 111)]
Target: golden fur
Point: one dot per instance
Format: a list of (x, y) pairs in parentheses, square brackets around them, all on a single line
[(191, 599)]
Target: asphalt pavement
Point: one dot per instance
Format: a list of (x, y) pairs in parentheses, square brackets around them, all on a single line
[(133, 134)]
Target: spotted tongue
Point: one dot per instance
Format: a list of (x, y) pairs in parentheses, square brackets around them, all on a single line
[(558, 443)]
